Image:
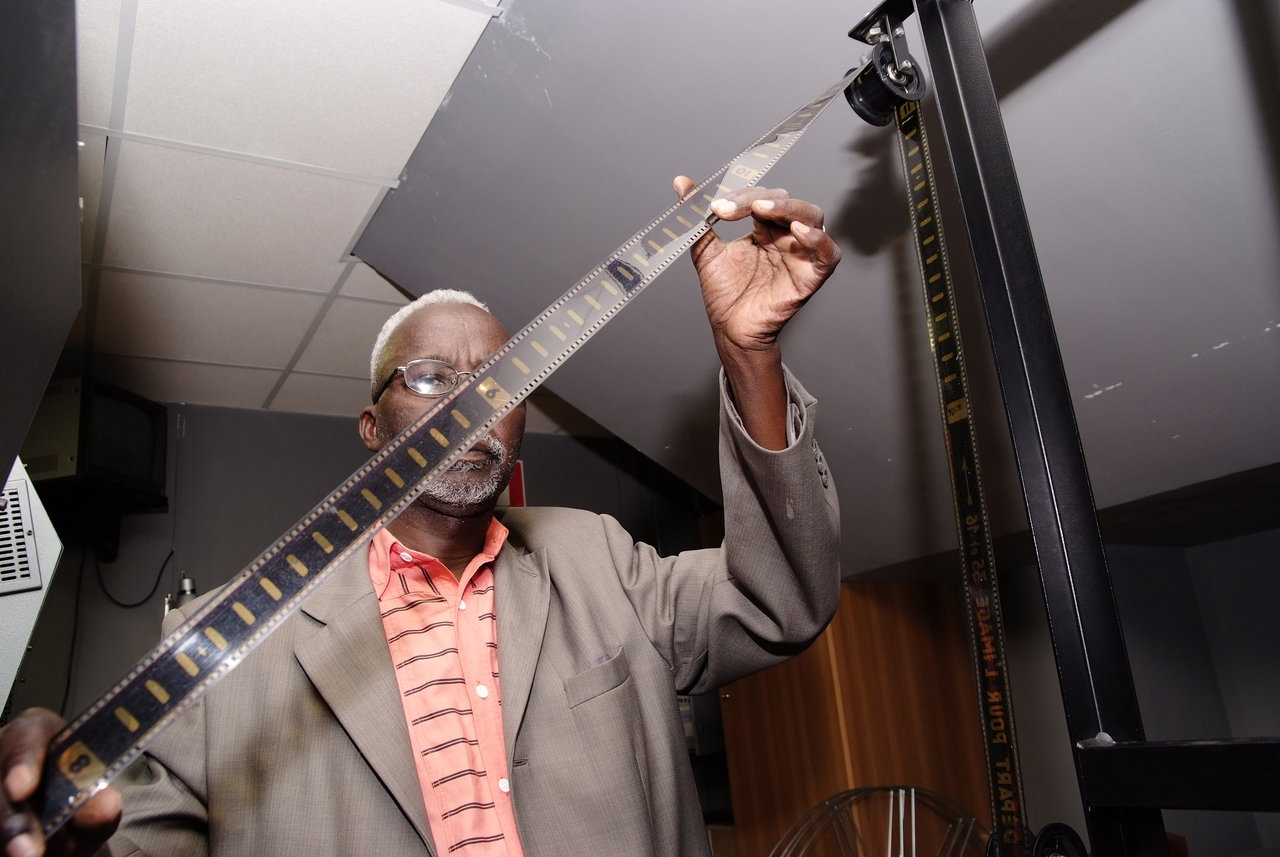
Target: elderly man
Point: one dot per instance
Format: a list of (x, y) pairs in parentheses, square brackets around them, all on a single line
[(483, 684)]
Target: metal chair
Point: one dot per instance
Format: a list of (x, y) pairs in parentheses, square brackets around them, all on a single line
[(893, 821)]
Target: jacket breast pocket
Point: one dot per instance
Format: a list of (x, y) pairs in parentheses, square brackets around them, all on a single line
[(599, 679)]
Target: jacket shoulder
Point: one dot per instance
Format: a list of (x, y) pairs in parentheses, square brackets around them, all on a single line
[(536, 527)]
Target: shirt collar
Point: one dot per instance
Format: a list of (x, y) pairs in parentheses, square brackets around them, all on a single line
[(386, 555)]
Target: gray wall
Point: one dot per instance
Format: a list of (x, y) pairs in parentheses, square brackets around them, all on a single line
[(1238, 589), (237, 480), (39, 204), (1202, 642), (1205, 652), (1155, 226)]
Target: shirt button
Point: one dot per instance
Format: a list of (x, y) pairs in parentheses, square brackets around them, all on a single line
[(462, 605), (406, 556), (482, 691), (504, 785)]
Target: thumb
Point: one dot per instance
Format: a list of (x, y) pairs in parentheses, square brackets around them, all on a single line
[(682, 185), (709, 242)]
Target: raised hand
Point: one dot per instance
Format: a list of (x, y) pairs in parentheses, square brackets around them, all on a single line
[(752, 286), (22, 750)]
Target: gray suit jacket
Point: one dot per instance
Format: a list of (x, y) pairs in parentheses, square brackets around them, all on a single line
[(303, 749)]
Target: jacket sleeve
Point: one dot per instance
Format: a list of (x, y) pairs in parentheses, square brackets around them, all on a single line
[(165, 814), (777, 581)]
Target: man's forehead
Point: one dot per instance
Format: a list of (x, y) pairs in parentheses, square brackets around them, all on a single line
[(451, 326)]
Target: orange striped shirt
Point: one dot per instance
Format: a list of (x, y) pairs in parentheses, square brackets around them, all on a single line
[(443, 637)]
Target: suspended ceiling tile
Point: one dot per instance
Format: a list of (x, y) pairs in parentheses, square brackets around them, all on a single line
[(1156, 301), (344, 338), (175, 211), (97, 36), (323, 394), (549, 414), (75, 336), (195, 383), (365, 282), (345, 85), (93, 150), (151, 316), (1185, 444)]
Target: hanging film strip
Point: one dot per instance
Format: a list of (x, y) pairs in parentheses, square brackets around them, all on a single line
[(888, 89), (101, 742)]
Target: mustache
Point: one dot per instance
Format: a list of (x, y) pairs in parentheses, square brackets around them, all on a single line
[(490, 446)]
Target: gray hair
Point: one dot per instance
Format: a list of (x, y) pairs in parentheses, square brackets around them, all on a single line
[(438, 296)]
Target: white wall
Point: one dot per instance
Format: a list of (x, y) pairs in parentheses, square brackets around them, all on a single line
[(1204, 648), (1237, 585)]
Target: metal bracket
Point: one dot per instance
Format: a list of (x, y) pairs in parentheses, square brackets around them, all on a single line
[(897, 10), (889, 76)]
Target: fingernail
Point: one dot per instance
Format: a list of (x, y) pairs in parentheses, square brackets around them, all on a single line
[(22, 846), (802, 228), (723, 207), (766, 204)]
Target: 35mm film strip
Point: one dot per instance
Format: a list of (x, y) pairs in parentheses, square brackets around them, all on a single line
[(100, 743), (973, 525)]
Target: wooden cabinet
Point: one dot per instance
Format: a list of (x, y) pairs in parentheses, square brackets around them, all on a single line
[(884, 697)]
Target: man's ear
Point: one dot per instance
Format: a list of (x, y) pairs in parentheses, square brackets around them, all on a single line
[(368, 428)]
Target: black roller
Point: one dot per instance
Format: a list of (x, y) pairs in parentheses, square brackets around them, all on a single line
[(880, 87), (1059, 840)]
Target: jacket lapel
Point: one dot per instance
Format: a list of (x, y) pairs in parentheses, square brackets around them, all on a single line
[(523, 592), (348, 662)]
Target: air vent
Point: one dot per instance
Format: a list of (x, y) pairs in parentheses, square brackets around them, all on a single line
[(41, 464), (19, 569)]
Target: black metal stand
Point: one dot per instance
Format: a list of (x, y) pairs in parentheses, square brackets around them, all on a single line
[(1124, 780)]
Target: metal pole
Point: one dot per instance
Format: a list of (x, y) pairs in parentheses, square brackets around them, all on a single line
[(1093, 666)]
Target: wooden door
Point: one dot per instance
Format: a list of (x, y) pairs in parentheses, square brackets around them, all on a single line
[(884, 697)]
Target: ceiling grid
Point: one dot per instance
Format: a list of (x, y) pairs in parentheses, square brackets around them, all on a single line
[(219, 219), (240, 159)]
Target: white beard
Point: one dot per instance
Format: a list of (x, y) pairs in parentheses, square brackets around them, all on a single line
[(458, 487)]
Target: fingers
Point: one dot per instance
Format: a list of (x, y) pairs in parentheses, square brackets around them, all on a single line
[(23, 744), (768, 204), (825, 252), (22, 750), (773, 204), (738, 204), (709, 245), (776, 215), (92, 825), (102, 810)]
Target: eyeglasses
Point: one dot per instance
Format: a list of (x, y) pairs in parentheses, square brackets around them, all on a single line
[(426, 377)]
